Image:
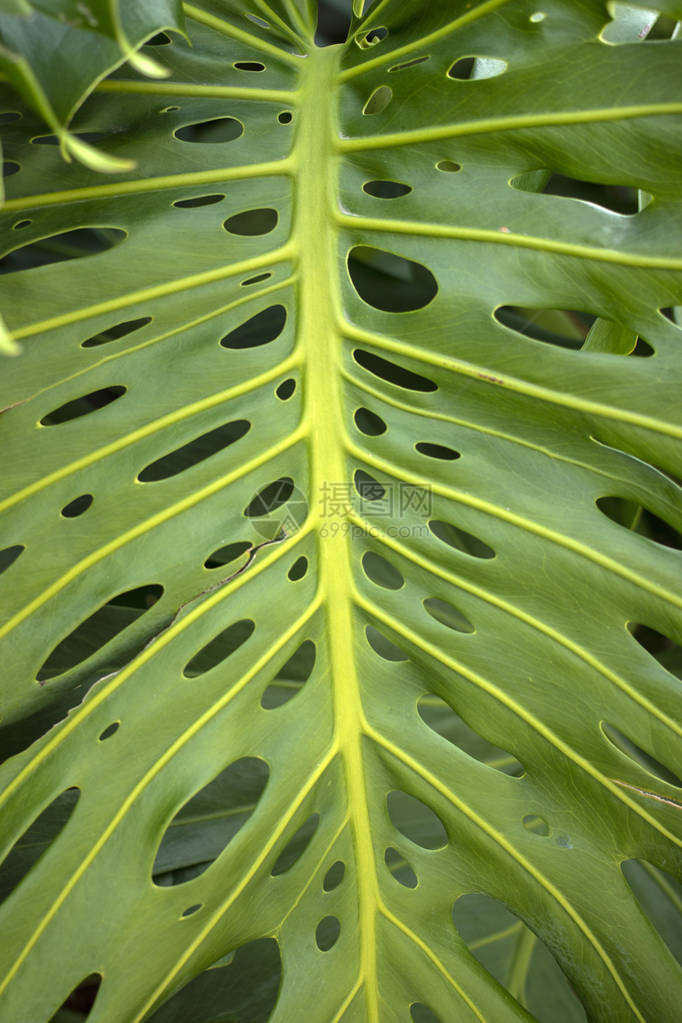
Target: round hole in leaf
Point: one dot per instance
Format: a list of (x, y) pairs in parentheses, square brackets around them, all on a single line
[(448, 166), (390, 282), (381, 571), (285, 117), (369, 422), (248, 65), (334, 876), (378, 100), (415, 820), (217, 129), (285, 390), (254, 222), (109, 731), (381, 189), (538, 825), (327, 933), (76, 507), (298, 569)]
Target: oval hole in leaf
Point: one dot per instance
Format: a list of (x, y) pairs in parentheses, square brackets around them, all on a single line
[(383, 646), (248, 65), (448, 166), (538, 825), (443, 720), (381, 571), (661, 647), (261, 22), (198, 200), (495, 936), (565, 328), (408, 63), (386, 189), (260, 329), (367, 487), (191, 910), (219, 648), (369, 423), (659, 895), (296, 846), (99, 628), (252, 222), (334, 876), (475, 68), (621, 199), (392, 372), (285, 390), (638, 519), (327, 933), (390, 282), (76, 507), (61, 247), (80, 1002), (400, 868), (460, 540), (225, 555), (298, 569), (448, 615), (255, 280), (270, 498), (36, 840), (8, 116), (20, 224), (218, 129), (83, 406), (415, 820), (421, 1013), (10, 167), (206, 824), (194, 452), (291, 677), (109, 731), (115, 332), (9, 555), (437, 451), (640, 757)]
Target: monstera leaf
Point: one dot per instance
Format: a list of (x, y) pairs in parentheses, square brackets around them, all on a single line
[(341, 510)]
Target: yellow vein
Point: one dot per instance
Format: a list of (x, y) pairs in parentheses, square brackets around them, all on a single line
[(419, 230), (280, 22), (151, 184), (114, 681), (157, 291), (225, 905), (423, 41), (494, 124), (347, 1000), (227, 29), (406, 633), (312, 873), (507, 608), (563, 540), (148, 430), (161, 88), (538, 391), (498, 837), (143, 783), (145, 527)]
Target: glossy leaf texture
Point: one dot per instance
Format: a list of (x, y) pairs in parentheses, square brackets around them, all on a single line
[(341, 525)]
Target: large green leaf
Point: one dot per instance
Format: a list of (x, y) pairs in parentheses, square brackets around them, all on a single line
[(340, 656)]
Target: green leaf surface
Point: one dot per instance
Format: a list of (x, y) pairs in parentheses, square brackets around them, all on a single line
[(363, 655)]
